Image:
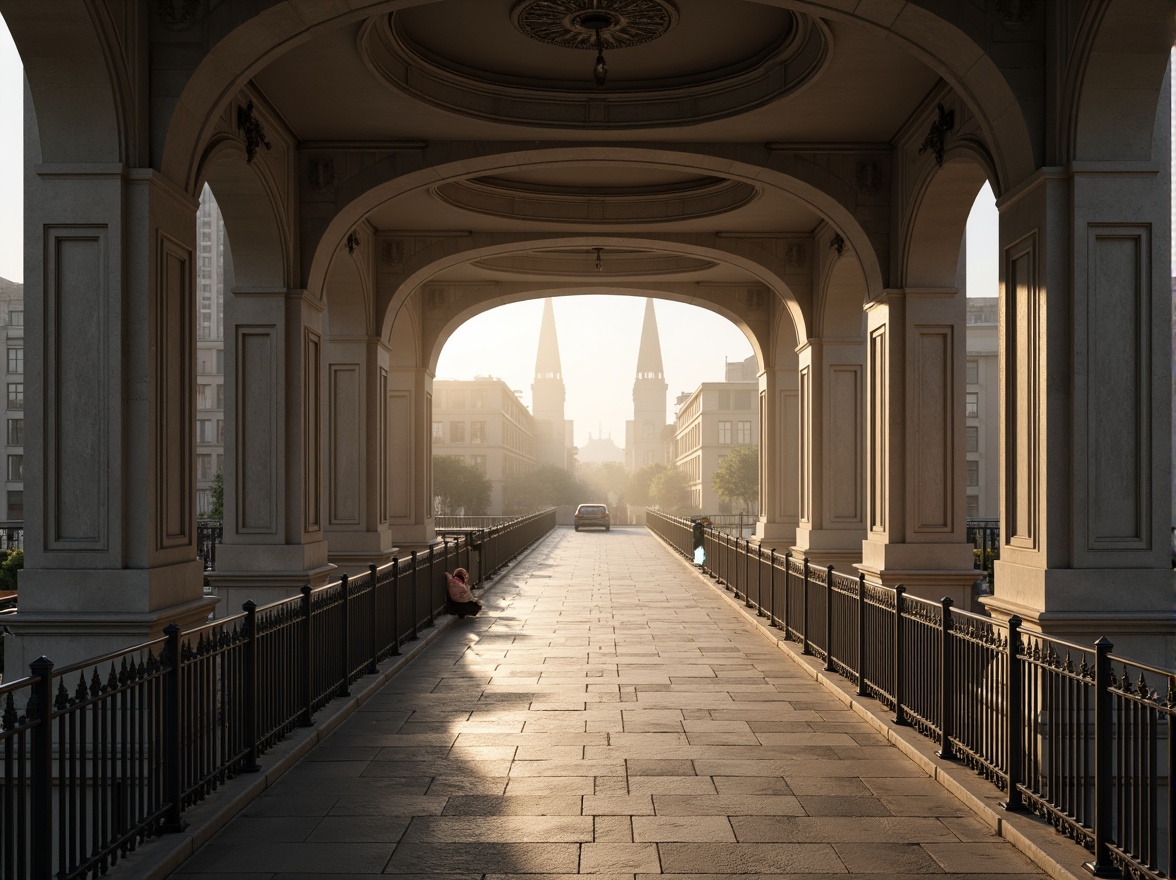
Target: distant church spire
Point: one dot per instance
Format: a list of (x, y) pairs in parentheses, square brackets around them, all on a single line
[(547, 364), (644, 444), (553, 432), (649, 358)]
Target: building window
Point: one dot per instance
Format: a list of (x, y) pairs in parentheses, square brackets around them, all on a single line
[(477, 432), (971, 405), (204, 430), (16, 395), (16, 360), (741, 400), (973, 473), (220, 431), (743, 434), (203, 502), (16, 504), (204, 467), (973, 506), (725, 433), (202, 396), (457, 432), (973, 372), (438, 432), (479, 398), (16, 318), (972, 433), (457, 400), (220, 396), (479, 462), (16, 467), (16, 432)]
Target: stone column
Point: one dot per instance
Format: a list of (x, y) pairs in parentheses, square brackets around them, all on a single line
[(832, 457), (410, 457), (1085, 397), (357, 454), (915, 356), (274, 541), (110, 556), (778, 458)]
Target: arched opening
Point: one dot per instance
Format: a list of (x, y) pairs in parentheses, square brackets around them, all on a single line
[(679, 389)]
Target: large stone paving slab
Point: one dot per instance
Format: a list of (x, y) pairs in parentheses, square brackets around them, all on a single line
[(608, 714)]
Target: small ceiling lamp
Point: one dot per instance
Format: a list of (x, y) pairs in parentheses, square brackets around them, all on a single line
[(599, 259), (596, 20)]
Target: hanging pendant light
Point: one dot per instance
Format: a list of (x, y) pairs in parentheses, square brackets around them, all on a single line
[(600, 70)]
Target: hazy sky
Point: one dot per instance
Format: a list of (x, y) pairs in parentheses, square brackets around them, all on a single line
[(598, 336)]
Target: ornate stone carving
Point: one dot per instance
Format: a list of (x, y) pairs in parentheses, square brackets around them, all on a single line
[(178, 15), (322, 174), (1014, 12), (435, 299), (795, 255), (250, 126), (936, 140), (837, 244), (352, 242), (392, 253), (755, 299), (572, 24), (868, 177)]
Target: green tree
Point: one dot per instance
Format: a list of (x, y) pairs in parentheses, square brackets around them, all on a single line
[(640, 482), (546, 486), (737, 476), (670, 491), (11, 561), (604, 480), (459, 486), (217, 490)]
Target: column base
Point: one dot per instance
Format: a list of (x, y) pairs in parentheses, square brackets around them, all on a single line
[(71, 637), (265, 573), (929, 571), (352, 552), (780, 535), (1134, 608)]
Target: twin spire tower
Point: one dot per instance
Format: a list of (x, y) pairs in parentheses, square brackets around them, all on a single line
[(554, 439)]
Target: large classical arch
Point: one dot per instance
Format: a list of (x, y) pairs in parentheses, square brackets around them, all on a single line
[(354, 207)]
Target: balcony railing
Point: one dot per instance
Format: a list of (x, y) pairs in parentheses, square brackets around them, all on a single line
[(101, 755), (1078, 735)]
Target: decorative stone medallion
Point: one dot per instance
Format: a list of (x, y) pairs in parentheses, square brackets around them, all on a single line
[(573, 24)]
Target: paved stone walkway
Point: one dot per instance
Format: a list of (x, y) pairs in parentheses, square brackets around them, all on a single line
[(608, 714)]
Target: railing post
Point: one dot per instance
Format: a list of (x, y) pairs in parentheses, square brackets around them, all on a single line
[(772, 587), (373, 667), (41, 771), (345, 637), (861, 635), (899, 652), (415, 617), (787, 592), (1013, 722), (805, 648), (172, 725), (395, 606), (746, 573), (250, 688), (432, 579), (829, 618), (1104, 792), (946, 674), (307, 657)]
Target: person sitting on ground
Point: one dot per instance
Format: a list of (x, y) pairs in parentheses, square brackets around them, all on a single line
[(461, 600)]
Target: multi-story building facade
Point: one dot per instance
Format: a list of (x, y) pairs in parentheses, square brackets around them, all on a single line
[(982, 410), (483, 422), (711, 420), (12, 331), (210, 350)]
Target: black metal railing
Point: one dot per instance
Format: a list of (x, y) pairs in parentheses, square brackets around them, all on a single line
[(1075, 734), (984, 536), (101, 755), (209, 533)]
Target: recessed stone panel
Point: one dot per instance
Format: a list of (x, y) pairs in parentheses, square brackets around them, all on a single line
[(1022, 316), (931, 397), (174, 364), (257, 391), (78, 383), (843, 457), (346, 447)]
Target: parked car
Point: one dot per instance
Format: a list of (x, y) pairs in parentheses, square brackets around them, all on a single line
[(588, 515)]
